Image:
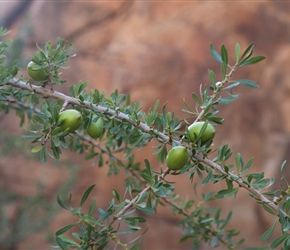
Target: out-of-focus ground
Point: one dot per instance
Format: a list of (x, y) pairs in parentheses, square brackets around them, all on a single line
[(156, 50)]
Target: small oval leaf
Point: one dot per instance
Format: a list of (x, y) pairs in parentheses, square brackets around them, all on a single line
[(36, 149)]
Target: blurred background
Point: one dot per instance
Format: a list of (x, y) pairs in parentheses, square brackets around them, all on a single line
[(152, 50)]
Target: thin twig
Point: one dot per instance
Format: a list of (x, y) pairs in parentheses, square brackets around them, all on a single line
[(107, 152), (255, 192)]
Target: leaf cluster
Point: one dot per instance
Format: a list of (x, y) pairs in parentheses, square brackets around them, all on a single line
[(53, 59), (127, 129)]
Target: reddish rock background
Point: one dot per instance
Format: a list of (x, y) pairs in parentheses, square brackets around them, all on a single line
[(159, 50)]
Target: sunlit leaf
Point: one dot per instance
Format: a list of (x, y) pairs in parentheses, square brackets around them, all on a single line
[(36, 149), (238, 52)]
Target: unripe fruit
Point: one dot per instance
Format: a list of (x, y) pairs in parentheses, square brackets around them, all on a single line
[(71, 119), (194, 131), (36, 73), (95, 129), (177, 158)]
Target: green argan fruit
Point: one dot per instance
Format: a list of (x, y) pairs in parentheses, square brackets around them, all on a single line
[(177, 158), (195, 129), (36, 72), (95, 129), (71, 119)]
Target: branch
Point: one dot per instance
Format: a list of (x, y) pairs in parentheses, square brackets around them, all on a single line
[(107, 152), (45, 93), (255, 192), (214, 232)]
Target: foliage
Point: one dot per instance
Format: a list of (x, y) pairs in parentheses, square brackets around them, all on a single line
[(127, 128)]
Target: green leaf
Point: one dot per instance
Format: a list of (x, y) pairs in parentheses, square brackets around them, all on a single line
[(224, 153), (38, 119), (247, 166), (215, 119), (117, 195), (214, 241), (137, 219), (64, 229), (86, 194), (145, 209), (142, 198), (247, 83), (42, 155), (227, 193), (161, 153), (215, 54), (91, 155), (208, 178), (137, 246), (224, 69), (269, 232), (279, 241), (229, 182), (189, 110), (56, 141), (56, 151), (188, 204), (147, 173), (146, 176), (239, 162), (92, 207), (207, 197), (195, 97), (227, 100), (282, 165), (224, 55), (162, 189), (226, 221), (36, 149), (61, 243), (66, 242), (105, 214), (231, 86), (253, 60), (248, 52), (60, 202), (212, 77), (238, 52), (156, 105), (283, 221)]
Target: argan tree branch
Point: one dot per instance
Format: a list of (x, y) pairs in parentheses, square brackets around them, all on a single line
[(122, 116)]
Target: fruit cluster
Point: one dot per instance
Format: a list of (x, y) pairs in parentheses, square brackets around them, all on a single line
[(178, 156), (70, 120)]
